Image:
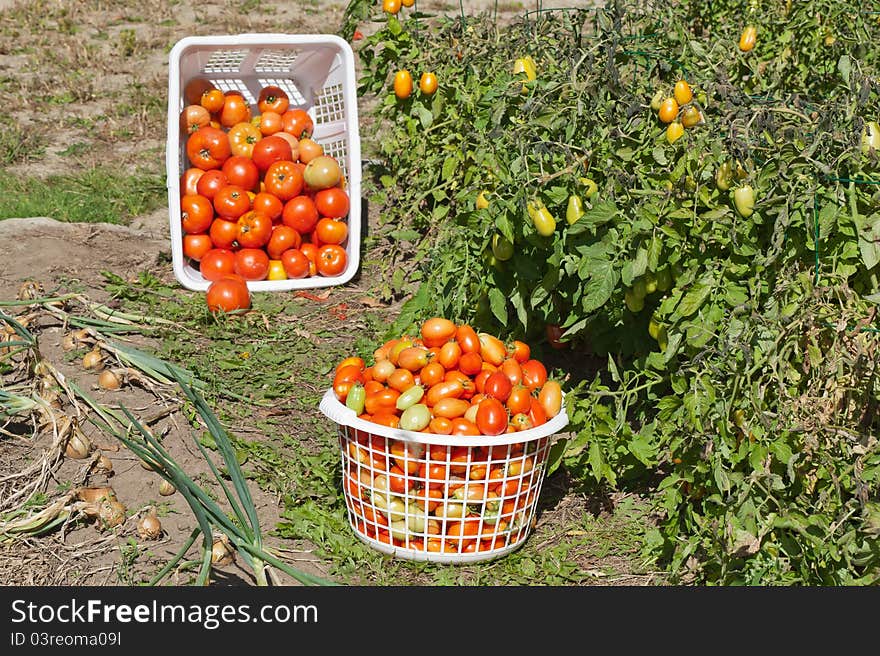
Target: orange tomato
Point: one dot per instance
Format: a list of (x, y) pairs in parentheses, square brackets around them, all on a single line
[(403, 84)]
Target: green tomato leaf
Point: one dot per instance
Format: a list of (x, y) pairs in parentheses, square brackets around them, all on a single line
[(696, 296), (424, 115), (599, 214), (498, 304), (600, 287)]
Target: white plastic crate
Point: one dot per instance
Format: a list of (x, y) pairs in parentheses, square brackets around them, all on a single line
[(317, 72), (412, 531)]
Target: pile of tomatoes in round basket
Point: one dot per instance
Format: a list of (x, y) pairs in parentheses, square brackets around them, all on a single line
[(260, 199), (448, 496)]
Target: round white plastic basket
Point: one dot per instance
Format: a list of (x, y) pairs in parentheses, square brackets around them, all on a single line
[(317, 72), (440, 498)]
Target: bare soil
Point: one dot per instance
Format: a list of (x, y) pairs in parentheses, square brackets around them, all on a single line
[(108, 60)]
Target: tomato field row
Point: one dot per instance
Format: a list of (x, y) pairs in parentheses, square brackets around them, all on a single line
[(714, 254)]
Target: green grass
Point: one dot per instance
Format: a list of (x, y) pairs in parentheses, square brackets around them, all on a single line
[(91, 196)]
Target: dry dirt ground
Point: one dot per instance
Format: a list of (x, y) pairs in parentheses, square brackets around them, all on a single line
[(104, 66)]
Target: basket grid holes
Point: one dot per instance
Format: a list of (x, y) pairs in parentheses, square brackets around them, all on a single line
[(487, 527), (226, 61), (329, 105), (275, 61)]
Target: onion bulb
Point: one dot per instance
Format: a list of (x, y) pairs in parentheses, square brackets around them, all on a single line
[(149, 528), (104, 464), (221, 553), (78, 445), (108, 380), (94, 495), (93, 360), (111, 512), (166, 488)]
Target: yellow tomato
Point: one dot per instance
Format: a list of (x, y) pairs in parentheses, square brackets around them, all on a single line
[(391, 6), (682, 92), (276, 270), (428, 83), (747, 38), (674, 131), (668, 110)]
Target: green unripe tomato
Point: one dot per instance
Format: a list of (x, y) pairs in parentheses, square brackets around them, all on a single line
[(744, 200), (574, 210), (633, 303), (410, 397), (664, 280), (502, 248), (724, 176), (640, 288), (355, 398), (415, 418)]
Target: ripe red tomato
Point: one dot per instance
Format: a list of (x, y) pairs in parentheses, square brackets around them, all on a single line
[(467, 339), (273, 98), (332, 202), (241, 170), (283, 238), (231, 201), (297, 122), (252, 263), (195, 246), (311, 252), (212, 99), (300, 214), (331, 260), (269, 150), (498, 386), (235, 110), (536, 412), (331, 231), (224, 233), (512, 370), (268, 204), (520, 351), (534, 374), (295, 262), (519, 400), (189, 181), (284, 179), (196, 214), (470, 363), (208, 147), (269, 123), (211, 182), (228, 294), (254, 230), (217, 263)]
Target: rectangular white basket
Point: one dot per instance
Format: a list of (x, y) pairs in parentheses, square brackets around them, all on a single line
[(317, 72)]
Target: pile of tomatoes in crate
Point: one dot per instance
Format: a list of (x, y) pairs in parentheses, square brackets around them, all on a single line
[(450, 381), (260, 199)]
